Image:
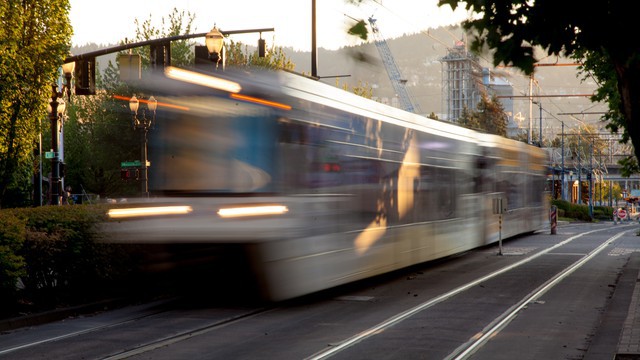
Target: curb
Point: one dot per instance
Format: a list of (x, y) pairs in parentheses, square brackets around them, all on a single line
[(629, 342), (59, 314)]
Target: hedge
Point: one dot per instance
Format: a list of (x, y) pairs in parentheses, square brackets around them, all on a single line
[(52, 256), (581, 212)]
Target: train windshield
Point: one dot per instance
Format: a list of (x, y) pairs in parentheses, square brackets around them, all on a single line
[(209, 145)]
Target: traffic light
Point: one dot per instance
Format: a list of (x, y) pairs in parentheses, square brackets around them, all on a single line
[(160, 56), (262, 48), (85, 73), (125, 174), (130, 67)]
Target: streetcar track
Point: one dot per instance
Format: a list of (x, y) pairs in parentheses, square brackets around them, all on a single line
[(149, 346), (467, 349), (394, 320), (82, 332), (185, 335)]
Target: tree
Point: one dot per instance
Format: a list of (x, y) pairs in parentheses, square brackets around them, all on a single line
[(98, 137), (177, 23), (99, 131), (513, 29), (35, 37), (364, 90), (489, 117), (469, 119), (275, 57)]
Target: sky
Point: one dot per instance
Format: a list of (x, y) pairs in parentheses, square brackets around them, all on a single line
[(96, 22)]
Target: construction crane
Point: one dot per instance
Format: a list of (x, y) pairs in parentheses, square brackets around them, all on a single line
[(399, 84)]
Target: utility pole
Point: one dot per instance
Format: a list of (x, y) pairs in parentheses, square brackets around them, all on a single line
[(530, 96), (529, 133), (314, 48), (540, 106)]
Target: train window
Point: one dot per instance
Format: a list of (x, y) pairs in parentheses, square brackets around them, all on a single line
[(446, 193), (437, 193), (292, 132)]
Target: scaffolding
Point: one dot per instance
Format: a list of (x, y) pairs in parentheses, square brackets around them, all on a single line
[(461, 80)]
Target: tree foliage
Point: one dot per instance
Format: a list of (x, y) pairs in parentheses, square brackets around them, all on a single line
[(488, 117), (238, 54), (34, 37), (512, 29), (364, 90), (98, 137), (177, 23)]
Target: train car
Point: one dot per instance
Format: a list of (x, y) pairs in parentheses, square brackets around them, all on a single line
[(320, 187)]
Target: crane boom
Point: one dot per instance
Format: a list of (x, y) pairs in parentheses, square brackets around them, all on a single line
[(392, 68)]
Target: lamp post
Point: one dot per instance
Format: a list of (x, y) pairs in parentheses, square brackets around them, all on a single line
[(214, 40), (143, 124), (562, 156), (571, 186), (56, 108)]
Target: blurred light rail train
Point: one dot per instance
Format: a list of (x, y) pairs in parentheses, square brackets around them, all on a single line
[(321, 187)]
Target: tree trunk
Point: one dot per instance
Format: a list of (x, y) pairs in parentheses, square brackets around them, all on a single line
[(629, 89)]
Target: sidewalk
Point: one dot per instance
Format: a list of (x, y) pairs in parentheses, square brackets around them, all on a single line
[(629, 343)]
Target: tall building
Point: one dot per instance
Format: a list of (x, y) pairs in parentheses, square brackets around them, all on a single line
[(461, 76), (463, 82)]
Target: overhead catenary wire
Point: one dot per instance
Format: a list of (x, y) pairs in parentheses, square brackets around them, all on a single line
[(517, 89)]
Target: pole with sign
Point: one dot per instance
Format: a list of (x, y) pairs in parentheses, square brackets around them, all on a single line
[(622, 215), (498, 209)]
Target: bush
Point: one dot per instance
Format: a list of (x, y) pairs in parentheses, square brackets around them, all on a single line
[(55, 254), (603, 212), (12, 265), (581, 212)]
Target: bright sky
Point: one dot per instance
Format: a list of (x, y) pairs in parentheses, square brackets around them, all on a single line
[(108, 23)]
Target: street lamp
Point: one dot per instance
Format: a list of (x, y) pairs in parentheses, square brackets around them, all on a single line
[(143, 124), (571, 186), (56, 108), (215, 45)]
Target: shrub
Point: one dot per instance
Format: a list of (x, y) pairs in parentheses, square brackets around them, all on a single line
[(12, 265), (574, 211), (55, 253), (581, 212), (603, 212)]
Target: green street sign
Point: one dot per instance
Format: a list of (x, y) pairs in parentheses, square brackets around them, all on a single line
[(49, 155), (125, 164)]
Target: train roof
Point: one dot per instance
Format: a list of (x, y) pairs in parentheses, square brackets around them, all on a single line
[(276, 84)]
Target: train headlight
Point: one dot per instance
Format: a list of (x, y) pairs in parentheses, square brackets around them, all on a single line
[(149, 211), (256, 210)]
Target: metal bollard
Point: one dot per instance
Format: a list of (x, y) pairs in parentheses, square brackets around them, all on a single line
[(553, 217)]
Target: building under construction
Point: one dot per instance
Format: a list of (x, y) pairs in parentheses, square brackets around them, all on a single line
[(463, 82)]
